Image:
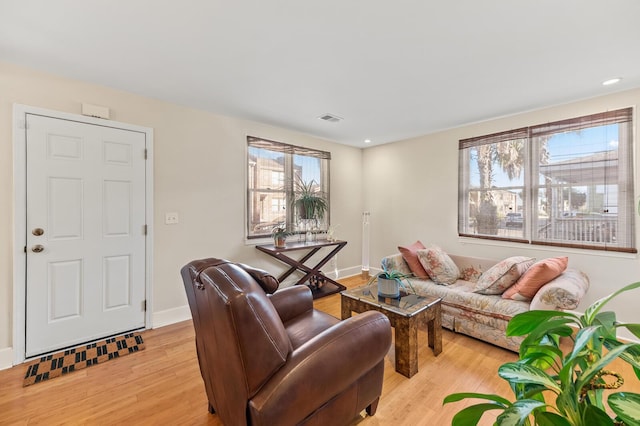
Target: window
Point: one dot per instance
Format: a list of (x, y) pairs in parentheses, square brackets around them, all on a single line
[(275, 174), (567, 183)]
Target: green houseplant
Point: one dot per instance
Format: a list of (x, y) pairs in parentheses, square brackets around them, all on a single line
[(565, 388), (280, 234), (389, 282), (309, 202)]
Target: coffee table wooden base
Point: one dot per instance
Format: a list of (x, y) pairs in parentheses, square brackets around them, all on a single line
[(406, 331)]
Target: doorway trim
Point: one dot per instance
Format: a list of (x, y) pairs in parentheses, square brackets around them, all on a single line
[(20, 213)]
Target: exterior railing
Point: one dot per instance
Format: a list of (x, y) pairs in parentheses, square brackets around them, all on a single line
[(586, 230)]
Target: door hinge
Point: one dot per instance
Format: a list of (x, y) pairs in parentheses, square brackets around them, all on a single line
[(145, 153), (144, 305), (144, 229), (23, 125), (25, 249)]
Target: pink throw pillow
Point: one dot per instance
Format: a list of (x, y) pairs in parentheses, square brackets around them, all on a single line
[(535, 277), (410, 255)]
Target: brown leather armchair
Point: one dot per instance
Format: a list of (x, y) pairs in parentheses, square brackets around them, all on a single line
[(272, 359)]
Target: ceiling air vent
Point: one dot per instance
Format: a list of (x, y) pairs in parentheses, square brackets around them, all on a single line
[(330, 118)]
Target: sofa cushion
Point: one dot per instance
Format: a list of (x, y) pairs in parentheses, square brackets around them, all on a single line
[(439, 266), (485, 308), (535, 277), (503, 275), (410, 255)]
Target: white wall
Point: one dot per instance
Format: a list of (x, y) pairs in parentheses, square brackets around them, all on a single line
[(411, 189), (199, 172)]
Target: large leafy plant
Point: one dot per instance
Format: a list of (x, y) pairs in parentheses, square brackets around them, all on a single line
[(310, 202), (560, 387)]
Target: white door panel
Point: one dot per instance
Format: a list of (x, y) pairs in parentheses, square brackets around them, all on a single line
[(64, 286), (86, 190)]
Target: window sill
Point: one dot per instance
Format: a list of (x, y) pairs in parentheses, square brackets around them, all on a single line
[(536, 247)]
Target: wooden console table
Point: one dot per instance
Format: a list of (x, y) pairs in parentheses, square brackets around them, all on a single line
[(327, 285)]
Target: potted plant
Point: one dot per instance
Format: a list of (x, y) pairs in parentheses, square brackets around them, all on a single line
[(280, 235), (575, 377), (389, 283), (309, 202)]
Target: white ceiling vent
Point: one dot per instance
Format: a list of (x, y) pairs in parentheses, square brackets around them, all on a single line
[(330, 118)]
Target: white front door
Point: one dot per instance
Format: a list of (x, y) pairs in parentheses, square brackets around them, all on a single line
[(85, 226)]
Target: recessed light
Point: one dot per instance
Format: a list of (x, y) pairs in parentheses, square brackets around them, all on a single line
[(611, 81), (367, 141)]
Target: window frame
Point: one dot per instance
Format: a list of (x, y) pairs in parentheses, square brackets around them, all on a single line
[(535, 154), (288, 189)]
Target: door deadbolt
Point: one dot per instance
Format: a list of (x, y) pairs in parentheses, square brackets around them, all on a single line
[(37, 231), (37, 248)]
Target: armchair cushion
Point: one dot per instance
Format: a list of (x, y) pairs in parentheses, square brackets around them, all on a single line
[(308, 325)]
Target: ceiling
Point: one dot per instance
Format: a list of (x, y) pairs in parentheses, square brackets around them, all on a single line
[(391, 69)]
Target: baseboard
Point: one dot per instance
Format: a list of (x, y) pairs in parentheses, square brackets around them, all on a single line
[(6, 358), (343, 273), (171, 316)]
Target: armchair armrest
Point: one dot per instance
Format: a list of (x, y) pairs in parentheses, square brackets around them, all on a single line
[(292, 301), (323, 367)]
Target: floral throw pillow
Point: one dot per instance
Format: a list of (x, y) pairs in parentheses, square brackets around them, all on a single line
[(471, 273), (502, 275), (439, 266)]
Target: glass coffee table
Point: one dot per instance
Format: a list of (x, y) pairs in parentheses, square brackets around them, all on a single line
[(405, 314)]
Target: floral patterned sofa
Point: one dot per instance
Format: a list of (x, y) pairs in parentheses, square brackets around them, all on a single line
[(458, 280)]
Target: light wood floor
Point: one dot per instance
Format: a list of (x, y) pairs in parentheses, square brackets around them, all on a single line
[(161, 385)]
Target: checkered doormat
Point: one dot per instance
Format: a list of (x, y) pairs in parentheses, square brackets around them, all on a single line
[(57, 364)]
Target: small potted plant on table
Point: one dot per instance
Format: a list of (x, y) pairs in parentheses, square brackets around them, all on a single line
[(389, 283), (280, 235)]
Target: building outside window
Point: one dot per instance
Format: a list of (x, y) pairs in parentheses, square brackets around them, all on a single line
[(274, 170), (567, 183)]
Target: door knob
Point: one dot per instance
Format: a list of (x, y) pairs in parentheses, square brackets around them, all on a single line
[(37, 231), (37, 248)]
